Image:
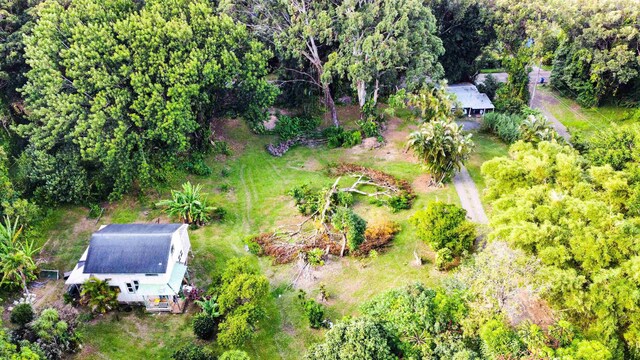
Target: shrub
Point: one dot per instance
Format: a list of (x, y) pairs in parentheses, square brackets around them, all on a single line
[(313, 311), (444, 225), (22, 314), (402, 201), (293, 127), (505, 126), (315, 257), (500, 341), (536, 128), (197, 166), (204, 326), (236, 329), (234, 355), (490, 86), (94, 211), (221, 148), (339, 137), (378, 235), (351, 224), (192, 352), (98, 295), (189, 204), (255, 248), (369, 127), (443, 258)]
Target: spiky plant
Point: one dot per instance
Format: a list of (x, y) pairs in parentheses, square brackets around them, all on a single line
[(190, 205)]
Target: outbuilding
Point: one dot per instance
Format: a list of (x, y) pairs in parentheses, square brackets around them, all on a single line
[(470, 100)]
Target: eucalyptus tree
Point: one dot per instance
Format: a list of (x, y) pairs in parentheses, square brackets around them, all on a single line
[(300, 30), (382, 42)]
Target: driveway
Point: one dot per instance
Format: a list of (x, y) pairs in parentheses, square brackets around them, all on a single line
[(539, 100), (469, 197)]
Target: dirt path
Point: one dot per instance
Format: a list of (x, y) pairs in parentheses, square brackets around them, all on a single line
[(469, 196)]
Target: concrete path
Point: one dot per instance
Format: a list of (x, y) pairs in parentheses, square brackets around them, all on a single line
[(469, 196)]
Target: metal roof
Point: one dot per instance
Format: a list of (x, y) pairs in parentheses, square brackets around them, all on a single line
[(469, 97), (130, 249)]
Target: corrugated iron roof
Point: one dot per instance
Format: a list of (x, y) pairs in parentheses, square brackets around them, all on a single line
[(469, 97), (130, 249)]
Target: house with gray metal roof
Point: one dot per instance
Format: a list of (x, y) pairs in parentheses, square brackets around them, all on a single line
[(146, 262), (470, 100)]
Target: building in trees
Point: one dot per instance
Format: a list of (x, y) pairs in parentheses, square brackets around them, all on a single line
[(146, 262), (469, 99)]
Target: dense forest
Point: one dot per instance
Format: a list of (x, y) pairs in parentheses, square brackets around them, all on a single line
[(106, 101)]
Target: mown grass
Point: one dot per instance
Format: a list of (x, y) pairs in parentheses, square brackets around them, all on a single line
[(583, 120), (256, 201)]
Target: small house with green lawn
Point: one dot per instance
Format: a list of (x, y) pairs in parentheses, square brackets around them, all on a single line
[(146, 262)]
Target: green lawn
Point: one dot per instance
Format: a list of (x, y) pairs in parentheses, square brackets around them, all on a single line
[(579, 119), (257, 202), (487, 147)]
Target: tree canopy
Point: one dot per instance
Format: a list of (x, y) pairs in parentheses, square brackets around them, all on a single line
[(117, 90)]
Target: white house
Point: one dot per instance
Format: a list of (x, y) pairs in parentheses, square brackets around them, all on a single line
[(470, 99), (147, 262)]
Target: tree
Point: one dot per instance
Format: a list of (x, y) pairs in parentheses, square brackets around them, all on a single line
[(359, 338), (433, 102), (425, 321), (444, 226), (98, 295), (234, 355), (351, 225), (549, 202), (190, 205), (537, 128), (382, 40), (300, 30), (242, 298), (465, 30), (442, 147), (192, 352), (136, 90), (616, 146)]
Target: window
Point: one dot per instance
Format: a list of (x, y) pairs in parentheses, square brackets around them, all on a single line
[(180, 256), (136, 285), (172, 248), (130, 288), (150, 274)]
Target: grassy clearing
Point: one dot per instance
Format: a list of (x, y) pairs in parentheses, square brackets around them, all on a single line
[(251, 185), (579, 119)]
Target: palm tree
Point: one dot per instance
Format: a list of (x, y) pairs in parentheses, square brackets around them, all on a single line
[(98, 295), (189, 205), (443, 148)]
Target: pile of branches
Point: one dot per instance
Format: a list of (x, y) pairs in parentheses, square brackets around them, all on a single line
[(329, 223)]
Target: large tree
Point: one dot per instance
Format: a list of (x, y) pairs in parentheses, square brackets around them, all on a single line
[(465, 28), (117, 89), (299, 30), (383, 41), (578, 220)]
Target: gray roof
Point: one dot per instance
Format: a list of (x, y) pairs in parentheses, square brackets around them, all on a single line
[(469, 97), (130, 249)]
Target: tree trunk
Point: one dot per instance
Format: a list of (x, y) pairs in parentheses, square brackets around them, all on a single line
[(362, 92), (375, 92), (328, 100), (344, 244)]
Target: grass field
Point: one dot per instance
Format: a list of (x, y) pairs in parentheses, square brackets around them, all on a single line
[(579, 119), (252, 185)]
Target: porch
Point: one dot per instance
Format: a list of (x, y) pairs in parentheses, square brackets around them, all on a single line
[(166, 297)]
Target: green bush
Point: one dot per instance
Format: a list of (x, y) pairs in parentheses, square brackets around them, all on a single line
[(22, 314), (192, 352), (234, 355), (197, 166), (292, 127), (313, 310), (315, 257), (443, 225), (352, 224), (94, 211), (221, 148), (339, 137), (401, 201), (505, 126), (443, 258), (369, 127), (204, 326)]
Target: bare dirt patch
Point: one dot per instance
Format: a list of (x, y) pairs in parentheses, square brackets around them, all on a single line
[(422, 184)]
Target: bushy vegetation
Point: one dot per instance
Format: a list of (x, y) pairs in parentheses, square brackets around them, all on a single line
[(192, 352), (505, 126), (17, 264), (99, 295), (578, 220), (444, 226), (189, 205), (22, 314), (288, 128), (314, 311)]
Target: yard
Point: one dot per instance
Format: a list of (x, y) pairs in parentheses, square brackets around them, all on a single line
[(251, 185), (578, 119)]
